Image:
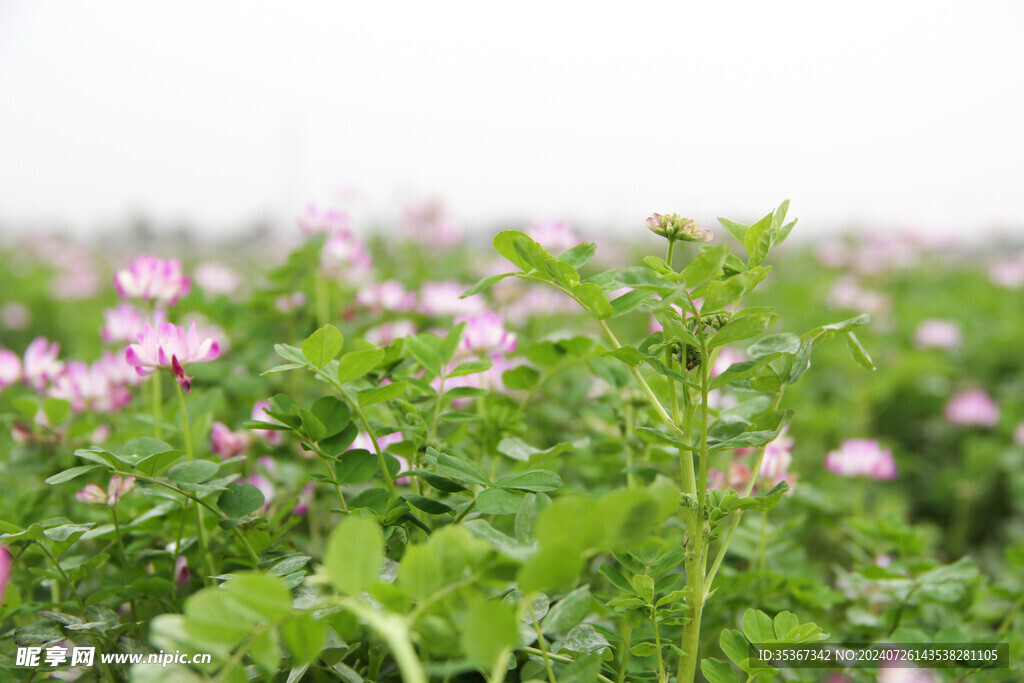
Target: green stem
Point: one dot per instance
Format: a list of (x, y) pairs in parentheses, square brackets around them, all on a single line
[(204, 550), (624, 655), (543, 647), (395, 632), (662, 677), (156, 399), (124, 564)]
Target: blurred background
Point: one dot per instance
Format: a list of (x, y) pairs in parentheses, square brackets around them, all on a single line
[(221, 117)]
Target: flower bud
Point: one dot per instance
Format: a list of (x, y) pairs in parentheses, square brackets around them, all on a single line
[(674, 227)]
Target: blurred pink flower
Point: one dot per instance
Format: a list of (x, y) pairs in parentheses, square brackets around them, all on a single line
[(1008, 272), (173, 347), (1018, 435), (118, 487), (182, 575), (90, 387), (216, 278), (10, 368), (227, 443), (847, 294), (972, 408), (390, 295), (286, 303), (316, 221), (862, 458), (40, 365), (903, 674), (385, 333), (15, 315), (153, 279), (736, 478), (304, 499), (485, 335), (344, 255), (442, 298), (935, 333), (428, 223), (726, 357), (555, 236), (122, 323), (271, 436), (6, 562)]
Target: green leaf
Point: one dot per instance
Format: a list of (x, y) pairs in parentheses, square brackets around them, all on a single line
[(490, 629), (458, 469), (652, 435), (585, 669), (722, 293), (428, 349), (776, 343), (355, 364), (333, 414), (532, 480), (421, 572), (386, 392), (629, 302), (356, 466), (304, 637), (520, 378), (594, 300), (240, 499), (323, 346), (499, 502), (578, 256), (504, 244), (757, 241), (745, 324), (526, 516), (734, 645), (484, 283), (737, 230), (627, 354), (263, 594), (758, 626), (56, 409), (470, 368), (354, 553), (72, 473), (785, 622), (517, 449), (858, 352), (717, 671), (627, 517), (434, 507), (706, 266), (194, 472), (312, 426)]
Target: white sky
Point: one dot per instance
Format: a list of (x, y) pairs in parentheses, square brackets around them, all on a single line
[(217, 113)]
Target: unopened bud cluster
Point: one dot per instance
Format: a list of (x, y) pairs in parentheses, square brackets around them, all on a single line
[(674, 227)]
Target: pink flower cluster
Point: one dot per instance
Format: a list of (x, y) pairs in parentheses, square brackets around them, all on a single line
[(862, 458), (936, 333), (153, 279)]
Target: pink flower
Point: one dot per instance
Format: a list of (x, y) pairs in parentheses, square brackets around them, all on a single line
[(862, 458), (1018, 435), (10, 368), (442, 298), (385, 333), (182, 575), (216, 278), (1008, 273), (304, 499), (317, 221), (390, 295), (271, 436), (227, 443), (118, 487), (847, 294), (555, 236), (15, 315), (122, 324), (972, 408), (344, 255), (286, 303), (169, 346), (938, 334), (87, 386), (6, 562), (726, 357), (40, 365), (153, 279), (485, 335)]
